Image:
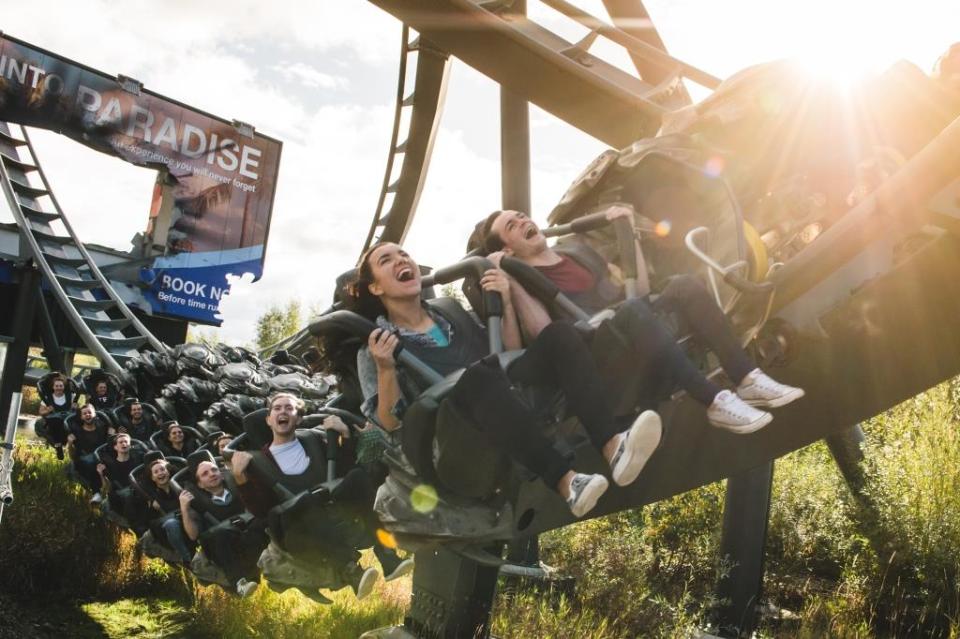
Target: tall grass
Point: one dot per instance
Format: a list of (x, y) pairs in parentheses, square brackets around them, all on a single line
[(845, 570), (290, 615), (53, 541)]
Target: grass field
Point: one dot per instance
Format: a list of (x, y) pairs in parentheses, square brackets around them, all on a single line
[(834, 568)]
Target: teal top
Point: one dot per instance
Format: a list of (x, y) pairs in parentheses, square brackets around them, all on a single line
[(437, 335)]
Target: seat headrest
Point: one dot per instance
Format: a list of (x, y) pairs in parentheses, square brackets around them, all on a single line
[(214, 437), (196, 458), (153, 456), (255, 426)]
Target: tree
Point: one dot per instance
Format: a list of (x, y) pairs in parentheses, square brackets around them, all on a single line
[(277, 323), (207, 336)]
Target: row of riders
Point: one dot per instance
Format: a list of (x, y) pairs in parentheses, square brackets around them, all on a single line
[(209, 504), (300, 493)]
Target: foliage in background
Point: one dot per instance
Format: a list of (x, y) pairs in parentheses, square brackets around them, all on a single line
[(883, 566), (53, 541), (278, 322)]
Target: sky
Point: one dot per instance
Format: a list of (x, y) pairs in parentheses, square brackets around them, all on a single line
[(321, 76)]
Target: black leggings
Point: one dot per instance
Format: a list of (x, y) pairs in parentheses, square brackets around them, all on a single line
[(236, 551), (660, 362), (687, 298), (356, 493), (56, 430), (558, 357)]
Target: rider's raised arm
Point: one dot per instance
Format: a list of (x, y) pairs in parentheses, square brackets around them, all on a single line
[(530, 312), (382, 398), (512, 339), (498, 281), (643, 279)]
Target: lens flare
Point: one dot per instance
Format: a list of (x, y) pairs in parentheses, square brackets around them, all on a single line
[(424, 498), (714, 166), (662, 228), (386, 538)]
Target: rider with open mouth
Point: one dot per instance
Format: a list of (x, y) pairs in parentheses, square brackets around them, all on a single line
[(388, 290), (583, 275)]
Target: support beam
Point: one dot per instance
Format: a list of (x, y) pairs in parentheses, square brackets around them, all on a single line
[(846, 447), (452, 597), (631, 17), (745, 515), (15, 363), (52, 350), (515, 142)]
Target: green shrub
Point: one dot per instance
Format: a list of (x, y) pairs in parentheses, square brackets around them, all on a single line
[(53, 541), (648, 568), (291, 615)]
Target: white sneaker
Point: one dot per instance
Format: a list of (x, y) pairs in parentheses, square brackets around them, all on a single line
[(731, 413), (585, 490), (367, 581), (759, 389), (405, 567), (96, 499), (636, 447), (245, 587)]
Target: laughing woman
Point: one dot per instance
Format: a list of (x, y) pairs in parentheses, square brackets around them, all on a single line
[(388, 291)]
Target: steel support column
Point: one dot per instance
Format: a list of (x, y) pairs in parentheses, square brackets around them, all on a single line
[(52, 350), (515, 143), (846, 447), (515, 195), (452, 597), (15, 363), (745, 514)]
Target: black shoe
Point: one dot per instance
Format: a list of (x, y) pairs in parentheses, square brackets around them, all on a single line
[(59, 450)]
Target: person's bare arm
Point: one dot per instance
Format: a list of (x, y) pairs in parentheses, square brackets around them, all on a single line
[(643, 278), (497, 280), (104, 482), (188, 516), (382, 346), (531, 314)]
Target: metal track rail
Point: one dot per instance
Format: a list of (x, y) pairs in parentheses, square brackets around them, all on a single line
[(559, 76), (425, 105), (84, 294)]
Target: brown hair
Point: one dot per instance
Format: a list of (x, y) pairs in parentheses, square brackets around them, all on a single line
[(483, 237), (297, 402), (358, 296)]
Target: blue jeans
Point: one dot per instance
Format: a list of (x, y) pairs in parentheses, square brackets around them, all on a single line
[(173, 531)]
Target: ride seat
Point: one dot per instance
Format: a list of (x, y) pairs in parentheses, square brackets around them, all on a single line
[(191, 435)]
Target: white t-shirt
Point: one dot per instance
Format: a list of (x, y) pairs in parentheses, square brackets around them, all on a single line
[(60, 401), (291, 457)]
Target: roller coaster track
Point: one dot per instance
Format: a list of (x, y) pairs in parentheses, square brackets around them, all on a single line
[(104, 323), (424, 105), (559, 76)]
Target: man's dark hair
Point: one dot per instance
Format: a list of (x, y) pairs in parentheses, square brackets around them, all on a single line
[(483, 237)]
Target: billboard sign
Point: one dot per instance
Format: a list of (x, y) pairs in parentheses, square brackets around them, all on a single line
[(220, 176)]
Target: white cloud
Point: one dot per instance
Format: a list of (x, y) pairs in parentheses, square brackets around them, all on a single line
[(309, 76), (237, 59)]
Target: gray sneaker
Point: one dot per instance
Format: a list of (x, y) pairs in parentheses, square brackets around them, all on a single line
[(636, 447), (365, 584), (585, 490), (405, 567), (761, 390), (245, 587)]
